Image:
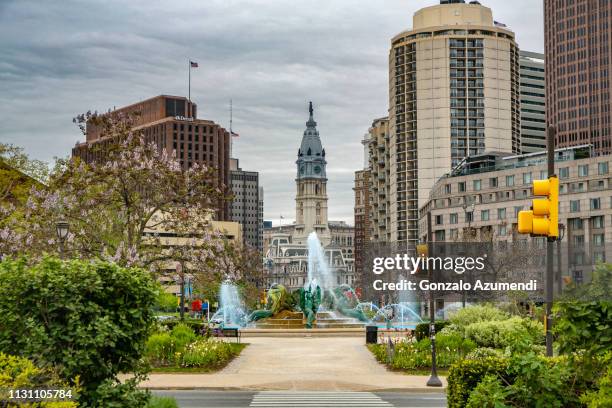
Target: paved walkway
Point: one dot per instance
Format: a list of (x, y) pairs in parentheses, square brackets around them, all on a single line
[(300, 364)]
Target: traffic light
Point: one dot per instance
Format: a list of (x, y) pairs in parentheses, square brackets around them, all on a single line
[(543, 218)]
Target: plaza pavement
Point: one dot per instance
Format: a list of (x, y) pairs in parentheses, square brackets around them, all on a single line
[(299, 364)]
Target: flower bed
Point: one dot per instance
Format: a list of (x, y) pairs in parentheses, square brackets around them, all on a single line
[(182, 350)]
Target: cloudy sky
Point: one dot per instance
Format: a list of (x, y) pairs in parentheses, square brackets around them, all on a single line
[(60, 58)]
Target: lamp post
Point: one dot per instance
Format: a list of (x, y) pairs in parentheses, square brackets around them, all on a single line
[(181, 274), (61, 228)]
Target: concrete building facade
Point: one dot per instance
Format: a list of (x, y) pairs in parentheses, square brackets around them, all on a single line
[(453, 92), (171, 123), (577, 37), (480, 201), (533, 102), (246, 207)]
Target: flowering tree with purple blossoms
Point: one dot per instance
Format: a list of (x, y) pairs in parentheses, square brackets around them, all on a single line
[(133, 204)]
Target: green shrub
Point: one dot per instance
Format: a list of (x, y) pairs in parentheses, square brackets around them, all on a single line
[(19, 372), (112, 393), (162, 402), (478, 313), (160, 349), (88, 319), (422, 329), (489, 393), (500, 334), (417, 355), (207, 353), (601, 396), (483, 352), (166, 302), (182, 335), (464, 376)]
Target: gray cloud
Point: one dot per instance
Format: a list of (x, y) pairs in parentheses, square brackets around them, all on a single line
[(269, 56)]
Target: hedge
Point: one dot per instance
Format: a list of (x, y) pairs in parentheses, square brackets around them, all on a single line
[(465, 375), (422, 329)]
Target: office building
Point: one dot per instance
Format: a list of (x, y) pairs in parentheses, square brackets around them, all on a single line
[(171, 123), (577, 37), (246, 206), (533, 102)]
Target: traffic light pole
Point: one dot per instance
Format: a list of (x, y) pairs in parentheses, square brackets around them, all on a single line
[(550, 249)]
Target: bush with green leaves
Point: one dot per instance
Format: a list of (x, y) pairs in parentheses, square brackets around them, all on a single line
[(182, 335), (18, 372), (166, 302), (484, 352), (475, 314), (421, 330), (502, 333), (417, 355), (89, 319), (160, 349), (489, 393)]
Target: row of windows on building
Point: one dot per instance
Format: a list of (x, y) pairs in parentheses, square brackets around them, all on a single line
[(527, 177), (597, 240), (485, 215)]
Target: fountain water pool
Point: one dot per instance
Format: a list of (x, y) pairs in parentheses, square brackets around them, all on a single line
[(231, 311)]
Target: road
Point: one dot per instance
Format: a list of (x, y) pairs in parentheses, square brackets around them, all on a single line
[(297, 399)]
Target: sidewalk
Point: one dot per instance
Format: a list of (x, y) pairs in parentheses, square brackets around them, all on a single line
[(299, 364)]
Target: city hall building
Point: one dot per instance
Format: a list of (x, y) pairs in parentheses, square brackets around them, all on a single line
[(285, 247)]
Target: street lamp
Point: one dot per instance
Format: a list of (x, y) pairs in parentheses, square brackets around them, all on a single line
[(179, 272), (61, 228)]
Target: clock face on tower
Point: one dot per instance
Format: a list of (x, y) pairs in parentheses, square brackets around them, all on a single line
[(317, 169)]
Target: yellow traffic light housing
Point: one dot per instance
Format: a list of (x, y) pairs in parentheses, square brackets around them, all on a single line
[(543, 218)]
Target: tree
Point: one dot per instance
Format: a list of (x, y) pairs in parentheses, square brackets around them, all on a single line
[(18, 173), (123, 206)]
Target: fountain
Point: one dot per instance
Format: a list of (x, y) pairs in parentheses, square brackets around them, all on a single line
[(230, 312)]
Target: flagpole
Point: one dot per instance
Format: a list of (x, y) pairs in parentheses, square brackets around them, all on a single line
[(189, 62), (231, 132)]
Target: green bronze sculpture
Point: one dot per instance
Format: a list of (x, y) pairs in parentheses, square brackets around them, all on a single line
[(310, 300), (277, 300), (345, 301)]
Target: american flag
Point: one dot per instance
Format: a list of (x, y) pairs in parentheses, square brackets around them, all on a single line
[(193, 64), (234, 134)]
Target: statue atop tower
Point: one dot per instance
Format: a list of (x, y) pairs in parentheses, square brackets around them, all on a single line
[(311, 182)]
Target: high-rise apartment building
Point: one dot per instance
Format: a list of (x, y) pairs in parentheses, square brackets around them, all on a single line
[(378, 164), (246, 206), (171, 123), (577, 36), (362, 220), (533, 102), (453, 93)]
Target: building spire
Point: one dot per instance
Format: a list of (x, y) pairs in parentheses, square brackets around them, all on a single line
[(311, 123)]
